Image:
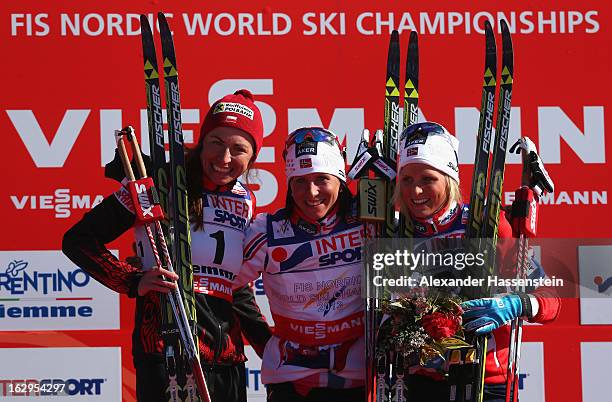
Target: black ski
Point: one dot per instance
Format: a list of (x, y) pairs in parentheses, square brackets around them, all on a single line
[(186, 379), (398, 387), (502, 124), (391, 129), (411, 87), (388, 146), (169, 329), (483, 139), (180, 230), (411, 103), (496, 176), (385, 371), (466, 375), (180, 218), (483, 220)]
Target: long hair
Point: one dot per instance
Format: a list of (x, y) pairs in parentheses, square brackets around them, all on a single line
[(193, 170), (344, 201), (453, 193)]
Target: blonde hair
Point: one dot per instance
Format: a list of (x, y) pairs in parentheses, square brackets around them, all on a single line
[(453, 193)]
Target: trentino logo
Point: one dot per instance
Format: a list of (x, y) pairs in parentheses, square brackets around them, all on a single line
[(18, 285)]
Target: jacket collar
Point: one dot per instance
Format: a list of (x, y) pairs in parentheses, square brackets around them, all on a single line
[(315, 227), (208, 185), (438, 222)]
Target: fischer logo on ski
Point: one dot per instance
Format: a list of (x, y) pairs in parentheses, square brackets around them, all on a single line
[(178, 313)]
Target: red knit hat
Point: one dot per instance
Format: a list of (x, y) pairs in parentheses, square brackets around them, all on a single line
[(237, 111)]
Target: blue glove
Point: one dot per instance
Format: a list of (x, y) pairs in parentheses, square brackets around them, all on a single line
[(486, 315)]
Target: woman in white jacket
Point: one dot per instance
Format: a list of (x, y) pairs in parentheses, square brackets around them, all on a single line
[(309, 254)]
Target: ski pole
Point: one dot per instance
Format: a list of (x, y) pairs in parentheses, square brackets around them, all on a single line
[(535, 181), (144, 207)]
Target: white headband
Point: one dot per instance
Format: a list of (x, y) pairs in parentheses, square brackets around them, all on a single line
[(431, 144), (314, 157)]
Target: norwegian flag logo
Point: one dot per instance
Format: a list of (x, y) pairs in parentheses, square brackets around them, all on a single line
[(305, 163), (412, 151)]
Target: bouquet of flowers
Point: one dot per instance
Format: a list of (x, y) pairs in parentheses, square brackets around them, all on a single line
[(429, 325)]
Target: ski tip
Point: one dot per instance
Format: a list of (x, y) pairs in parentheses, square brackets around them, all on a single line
[(164, 28), (145, 26), (490, 45), (506, 41), (505, 31), (414, 37), (504, 26), (394, 36)]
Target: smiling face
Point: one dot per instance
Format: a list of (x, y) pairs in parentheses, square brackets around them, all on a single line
[(226, 154), (423, 189), (315, 193)]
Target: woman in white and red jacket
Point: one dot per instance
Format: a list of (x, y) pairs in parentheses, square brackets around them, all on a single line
[(428, 193), (309, 255)]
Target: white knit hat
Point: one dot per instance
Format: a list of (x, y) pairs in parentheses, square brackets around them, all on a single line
[(431, 144), (313, 150)]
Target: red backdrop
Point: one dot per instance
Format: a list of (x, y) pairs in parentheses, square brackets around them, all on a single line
[(68, 84)]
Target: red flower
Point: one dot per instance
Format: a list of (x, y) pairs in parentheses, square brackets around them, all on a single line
[(441, 325)]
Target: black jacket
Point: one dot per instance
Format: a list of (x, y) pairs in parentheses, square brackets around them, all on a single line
[(220, 323)]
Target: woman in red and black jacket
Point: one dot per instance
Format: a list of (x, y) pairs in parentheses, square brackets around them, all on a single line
[(230, 137)]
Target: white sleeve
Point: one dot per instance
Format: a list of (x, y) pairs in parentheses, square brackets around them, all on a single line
[(254, 251)]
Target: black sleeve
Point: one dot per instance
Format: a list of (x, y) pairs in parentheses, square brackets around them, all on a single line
[(84, 244), (254, 326)]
